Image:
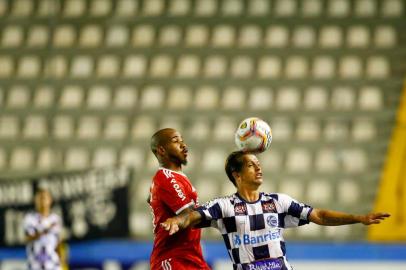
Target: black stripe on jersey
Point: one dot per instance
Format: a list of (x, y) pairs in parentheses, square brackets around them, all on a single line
[(226, 241), (295, 209), (235, 252), (281, 220), (257, 222), (261, 252), (230, 224), (215, 211), (283, 248)]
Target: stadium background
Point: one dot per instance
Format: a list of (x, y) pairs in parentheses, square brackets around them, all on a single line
[(85, 83)]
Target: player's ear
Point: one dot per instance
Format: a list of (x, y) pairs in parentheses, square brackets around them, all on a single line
[(160, 150), (236, 176)]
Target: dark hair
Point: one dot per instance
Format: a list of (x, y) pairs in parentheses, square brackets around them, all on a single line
[(234, 163)]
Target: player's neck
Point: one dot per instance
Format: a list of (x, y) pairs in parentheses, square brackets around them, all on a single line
[(248, 195), (44, 212), (172, 166)]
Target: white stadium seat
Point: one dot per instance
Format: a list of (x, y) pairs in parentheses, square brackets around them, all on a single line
[(206, 97), (179, 7), (232, 7), (180, 97), (76, 158), (170, 35), (22, 158), (88, 127), (98, 97), (125, 97), (152, 96)]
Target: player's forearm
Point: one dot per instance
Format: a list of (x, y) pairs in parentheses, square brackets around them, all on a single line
[(333, 218), (189, 219)]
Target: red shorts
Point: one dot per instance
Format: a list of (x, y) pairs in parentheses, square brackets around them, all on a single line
[(179, 264)]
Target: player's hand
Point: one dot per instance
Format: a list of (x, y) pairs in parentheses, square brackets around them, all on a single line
[(171, 225), (374, 218)]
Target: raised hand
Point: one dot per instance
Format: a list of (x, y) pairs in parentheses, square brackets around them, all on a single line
[(171, 225), (374, 218)]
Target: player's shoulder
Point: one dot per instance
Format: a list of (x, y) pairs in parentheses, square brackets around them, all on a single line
[(229, 199), (166, 175), (276, 196), (31, 217)]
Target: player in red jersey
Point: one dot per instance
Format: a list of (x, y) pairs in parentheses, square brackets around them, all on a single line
[(172, 194)]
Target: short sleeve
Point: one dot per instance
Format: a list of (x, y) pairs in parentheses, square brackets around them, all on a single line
[(57, 226), (28, 225), (175, 195), (294, 213), (212, 210)]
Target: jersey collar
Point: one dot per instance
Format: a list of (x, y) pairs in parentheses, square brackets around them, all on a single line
[(181, 173)]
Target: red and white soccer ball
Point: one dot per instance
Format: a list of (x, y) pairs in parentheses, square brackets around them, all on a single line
[(253, 135)]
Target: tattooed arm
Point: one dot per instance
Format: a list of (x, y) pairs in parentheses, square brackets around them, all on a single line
[(334, 218), (187, 218)]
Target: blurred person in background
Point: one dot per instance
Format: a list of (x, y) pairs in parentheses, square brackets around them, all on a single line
[(252, 222), (43, 235), (172, 194)]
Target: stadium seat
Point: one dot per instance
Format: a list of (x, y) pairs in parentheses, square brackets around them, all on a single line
[(107, 66), (303, 37), (104, 157), (298, 160), (377, 67), (188, 66), (327, 160), (72, 96), (74, 8), (7, 66), (213, 160), (282, 129), (21, 158), (285, 8), (170, 35), (152, 96), (56, 67), (277, 36), (293, 187), (161, 66), (143, 127), (358, 37), (354, 160), (76, 158), (46, 158), (64, 36), (153, 7), (385, 36), (100, 8), (258, 8), (330, 37), (392, 8), (363, 129), (143, 35), (207, 189), (199, 129), (134, 66), (132, 157), (288, 98), (348, 191), (172, 121), (117, 36), (9, 126), (338, 8), (179, 97), (223, 36), (311, 8), (296, 67), (365, 8), (319, 192), (370, 98), (116, 127), (125, 97), (233, 98), (232, 7), (260, 98), (215, 66), (323, 68), (88, 127), (38, 36), (206, 97), (205, 8), (82, 67), (35, 126), (271, 161), (196, 35), (336, 131), (224, 128), (241, 67), (269, 67), (316, 98), (63, 127), (29, 67), (343, 98), (179, 7), (12, 36), (91, 36), (308, 129), (18, 96), (3, 158), (98, 97), (3, 7), (126, 8), (250, 36)]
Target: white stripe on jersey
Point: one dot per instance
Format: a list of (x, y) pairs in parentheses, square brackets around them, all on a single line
[(166, 265)]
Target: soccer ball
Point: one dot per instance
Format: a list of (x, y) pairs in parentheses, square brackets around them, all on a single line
[(253, 135)]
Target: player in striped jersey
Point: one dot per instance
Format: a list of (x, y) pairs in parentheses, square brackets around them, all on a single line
[(42, 229), (252, 222)]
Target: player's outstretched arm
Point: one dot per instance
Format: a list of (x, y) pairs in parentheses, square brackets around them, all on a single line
[(187, 218), (335, 218)]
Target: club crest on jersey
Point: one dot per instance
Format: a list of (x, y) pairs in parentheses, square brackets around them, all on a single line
[(268, 207), (272, 221), (240, 209)]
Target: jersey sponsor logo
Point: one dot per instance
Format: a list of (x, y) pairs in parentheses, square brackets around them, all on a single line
[(247, 239), (270, 264), (178, 190), (272, 221), (240, 209), (268, 207)]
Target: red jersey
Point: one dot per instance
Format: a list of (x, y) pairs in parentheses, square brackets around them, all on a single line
[(171, 193)]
